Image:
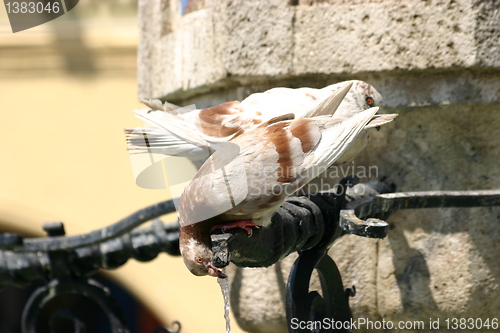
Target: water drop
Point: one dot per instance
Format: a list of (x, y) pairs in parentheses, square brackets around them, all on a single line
[(224, 287)]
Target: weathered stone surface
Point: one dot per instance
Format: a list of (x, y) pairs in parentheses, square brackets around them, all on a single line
[(436, 63), (434, 263), (176, 53), (380, 36), (431, 268), (258, 44), (231, 43), (260, 307), (440, 263)]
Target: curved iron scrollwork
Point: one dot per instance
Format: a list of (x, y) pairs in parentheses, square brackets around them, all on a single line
[(39, 315), (59, 242), (308, 225), (304, 305), (36, 317), (142, 244), (66, 269)]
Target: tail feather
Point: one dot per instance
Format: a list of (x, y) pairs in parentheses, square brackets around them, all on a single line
[(173, 125), (153, 140), (157, 104), (381, 119), (336, 138)]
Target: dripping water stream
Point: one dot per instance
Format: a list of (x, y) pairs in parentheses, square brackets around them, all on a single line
[(224, 286)]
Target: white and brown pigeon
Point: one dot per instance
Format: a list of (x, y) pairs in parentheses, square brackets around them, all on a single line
[(197, 133), (246, 180)]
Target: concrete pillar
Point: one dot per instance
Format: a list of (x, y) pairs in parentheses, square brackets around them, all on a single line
[(436, 63)]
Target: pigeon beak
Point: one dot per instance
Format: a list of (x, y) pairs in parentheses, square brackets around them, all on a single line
[(215, 272)]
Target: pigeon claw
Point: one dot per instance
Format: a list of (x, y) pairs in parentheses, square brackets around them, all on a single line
[(241, 224)]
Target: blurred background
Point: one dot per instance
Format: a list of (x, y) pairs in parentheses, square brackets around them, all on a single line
[(67, 91)]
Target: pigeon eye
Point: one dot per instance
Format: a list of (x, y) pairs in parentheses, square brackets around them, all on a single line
[(199, 260), (369, 101)]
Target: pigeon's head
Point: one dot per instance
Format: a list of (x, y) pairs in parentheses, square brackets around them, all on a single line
[(198, 259), (368, 94), (362, 96)]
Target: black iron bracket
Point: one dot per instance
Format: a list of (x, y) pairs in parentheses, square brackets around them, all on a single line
[(308, 225), (351, 216), (19, 267)]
